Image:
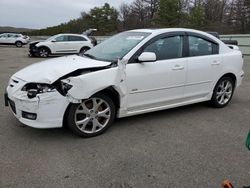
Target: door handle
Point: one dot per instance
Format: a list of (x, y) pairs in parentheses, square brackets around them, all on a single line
[(178, 67), (215, 62)]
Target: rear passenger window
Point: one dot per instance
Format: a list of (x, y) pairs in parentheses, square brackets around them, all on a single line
[(200, 47), (166, 48), (76, 38)]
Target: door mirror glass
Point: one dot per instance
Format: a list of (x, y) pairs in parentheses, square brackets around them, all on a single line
[(248, 141), (147, 57)]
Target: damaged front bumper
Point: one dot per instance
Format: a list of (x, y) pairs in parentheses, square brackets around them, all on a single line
[(33, 50), (46, 110)]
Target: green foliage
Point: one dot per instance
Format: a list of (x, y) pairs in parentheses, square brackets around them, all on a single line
[(224, 16), (169, 13), (196, 18)]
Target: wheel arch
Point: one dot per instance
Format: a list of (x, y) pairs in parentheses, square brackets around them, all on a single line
[(230, 75), (19, 41), (84, 47), (43, 46), (113, 94), (109, 91)]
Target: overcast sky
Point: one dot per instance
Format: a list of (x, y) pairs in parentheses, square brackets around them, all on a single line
[(44, 13)]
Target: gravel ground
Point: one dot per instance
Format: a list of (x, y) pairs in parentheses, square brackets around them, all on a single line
[(191, 146)]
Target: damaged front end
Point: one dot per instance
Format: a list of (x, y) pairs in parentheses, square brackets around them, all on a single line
[(41, 101), (37, 105)]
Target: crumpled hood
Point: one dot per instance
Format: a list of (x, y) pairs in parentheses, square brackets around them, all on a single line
[(49, 71)]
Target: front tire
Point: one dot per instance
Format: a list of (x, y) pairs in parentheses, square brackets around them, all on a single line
[(92, 117), (223, 92), (43, 52)]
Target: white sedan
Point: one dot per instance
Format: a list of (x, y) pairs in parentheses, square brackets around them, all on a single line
[(61, 44), (131, 73)]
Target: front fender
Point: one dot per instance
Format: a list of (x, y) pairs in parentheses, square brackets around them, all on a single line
[(86, 85)]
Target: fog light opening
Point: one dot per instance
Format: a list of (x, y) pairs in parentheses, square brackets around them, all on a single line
[(28, 115)]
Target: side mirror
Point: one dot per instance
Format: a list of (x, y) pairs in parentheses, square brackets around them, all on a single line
[(147, 57), (54, 40)]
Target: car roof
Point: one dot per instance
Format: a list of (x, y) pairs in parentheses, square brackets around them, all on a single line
[(71, 34), (165, 30)]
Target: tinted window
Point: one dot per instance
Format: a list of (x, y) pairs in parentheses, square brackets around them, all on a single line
[(10, 36), (166, 48), (199, 46), (76, 38), (61, 38)]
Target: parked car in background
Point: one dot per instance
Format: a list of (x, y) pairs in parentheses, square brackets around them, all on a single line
[(131, 73), (61, 44), (230, 43), (14, 39)]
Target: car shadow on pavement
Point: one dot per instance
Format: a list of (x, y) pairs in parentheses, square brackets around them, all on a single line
[(122, 123)]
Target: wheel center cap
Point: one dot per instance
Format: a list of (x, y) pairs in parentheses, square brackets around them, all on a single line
[(92, 115)]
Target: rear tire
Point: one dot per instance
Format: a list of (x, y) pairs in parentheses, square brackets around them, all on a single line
[(19, 44), (223, 92), (92, 117)]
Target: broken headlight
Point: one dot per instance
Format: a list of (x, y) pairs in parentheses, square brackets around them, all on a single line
[(36, 88)]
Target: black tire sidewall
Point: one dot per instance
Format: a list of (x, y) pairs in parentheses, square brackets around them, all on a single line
[(71, 116), (214, 101)]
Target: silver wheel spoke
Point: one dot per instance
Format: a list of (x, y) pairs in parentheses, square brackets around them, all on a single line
[(84, 109), (227, 85), (219, 94), (83, 122), (96, 104), (104, 113), (222, 99), (96, 124)]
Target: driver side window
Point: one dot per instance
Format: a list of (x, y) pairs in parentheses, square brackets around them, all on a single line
[(61, 38), (166, 48)]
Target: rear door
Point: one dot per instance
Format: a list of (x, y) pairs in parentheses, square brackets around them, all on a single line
[(204, 66), (76, 43)]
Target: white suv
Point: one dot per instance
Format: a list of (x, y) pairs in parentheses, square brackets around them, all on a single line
[(14, 39), (61, 44)]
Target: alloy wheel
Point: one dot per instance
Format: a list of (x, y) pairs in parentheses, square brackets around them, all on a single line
[(43, 53), (224, 92), (92, 115)]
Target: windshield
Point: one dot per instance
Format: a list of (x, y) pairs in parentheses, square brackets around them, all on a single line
[(117, 46), (51, 38)]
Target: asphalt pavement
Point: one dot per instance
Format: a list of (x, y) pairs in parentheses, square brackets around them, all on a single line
[(194, 146)]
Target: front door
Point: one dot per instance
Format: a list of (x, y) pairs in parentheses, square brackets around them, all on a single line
[(159, 83)]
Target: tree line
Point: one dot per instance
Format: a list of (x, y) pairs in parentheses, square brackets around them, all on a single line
[(223, 16)]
